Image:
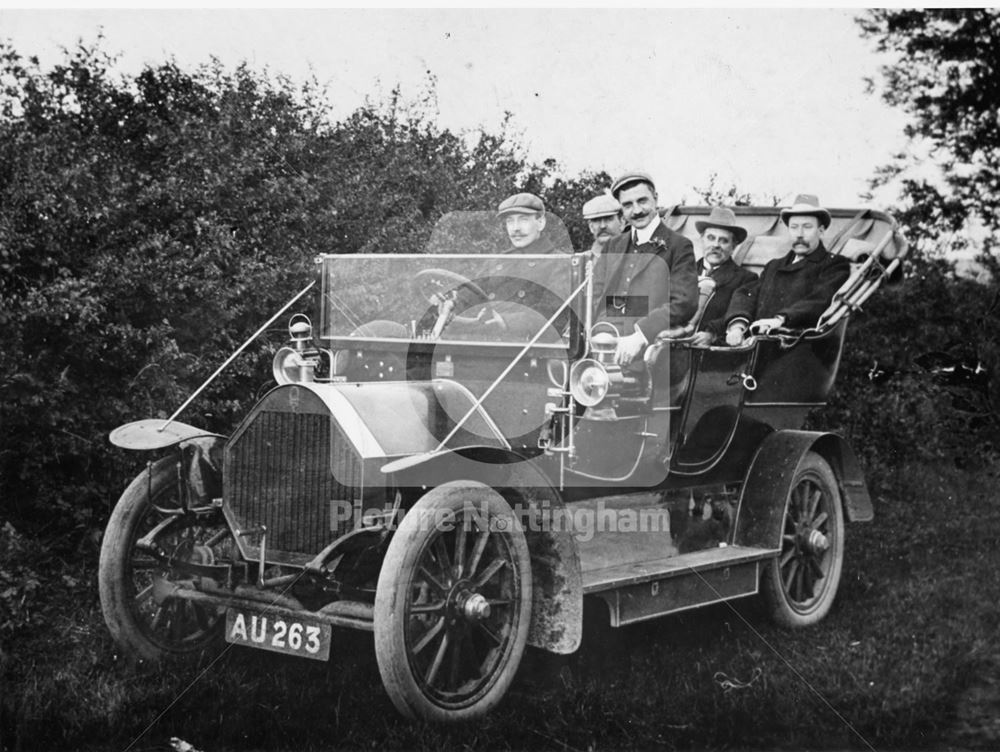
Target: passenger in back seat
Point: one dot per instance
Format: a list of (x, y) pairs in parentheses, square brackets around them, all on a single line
[(792, 291), (604, 219), (719, 237), (650, 283)]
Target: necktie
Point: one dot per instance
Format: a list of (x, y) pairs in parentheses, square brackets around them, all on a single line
[(635, 238)]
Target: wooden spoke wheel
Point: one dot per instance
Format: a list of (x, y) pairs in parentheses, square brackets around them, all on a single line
[(453, 604), (800, 585), (146, 530)]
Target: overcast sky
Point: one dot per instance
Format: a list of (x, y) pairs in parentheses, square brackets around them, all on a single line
[(771, 100)]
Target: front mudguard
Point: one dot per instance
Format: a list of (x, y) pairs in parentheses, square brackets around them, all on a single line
[(557, 605), (198, 453)]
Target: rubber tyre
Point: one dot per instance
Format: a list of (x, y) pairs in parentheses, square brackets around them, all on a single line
[(437, 662), (799, 586), (144, 629)]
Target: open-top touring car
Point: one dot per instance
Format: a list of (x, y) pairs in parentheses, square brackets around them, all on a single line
[(452, 460)]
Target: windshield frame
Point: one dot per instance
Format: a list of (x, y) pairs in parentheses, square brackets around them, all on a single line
[(577, 266)]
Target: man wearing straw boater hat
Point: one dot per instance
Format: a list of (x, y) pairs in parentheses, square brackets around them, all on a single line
[(792, 292), (651, 280), (718, 274)]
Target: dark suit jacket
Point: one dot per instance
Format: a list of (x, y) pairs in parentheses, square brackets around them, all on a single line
[(525, 299), (728, 277), (654, 285), (800, 292)]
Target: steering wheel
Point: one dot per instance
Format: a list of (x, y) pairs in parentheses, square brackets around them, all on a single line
[(441, 287), (435, 283)]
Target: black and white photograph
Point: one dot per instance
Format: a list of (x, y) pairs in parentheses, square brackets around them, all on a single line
[(499, 378)]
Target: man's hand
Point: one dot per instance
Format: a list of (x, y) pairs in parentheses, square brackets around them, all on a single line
[(702, 339), (628, 348), (763, 326), (493, 321), (734, 334), (487, 318)]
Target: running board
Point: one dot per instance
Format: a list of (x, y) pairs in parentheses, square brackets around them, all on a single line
[(647, 589)]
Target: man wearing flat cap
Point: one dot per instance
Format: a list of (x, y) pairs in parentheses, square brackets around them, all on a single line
[(523, 215), (517, 305), (792, 292), (718, 274), (650, 271), (604, 219)]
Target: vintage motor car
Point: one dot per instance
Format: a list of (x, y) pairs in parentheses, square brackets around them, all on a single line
[(452, 460)]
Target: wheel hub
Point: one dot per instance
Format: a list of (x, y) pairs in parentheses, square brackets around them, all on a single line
[(474, 607), (815, 542)]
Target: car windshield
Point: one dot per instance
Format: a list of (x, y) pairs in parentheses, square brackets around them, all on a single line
[(450, 295)]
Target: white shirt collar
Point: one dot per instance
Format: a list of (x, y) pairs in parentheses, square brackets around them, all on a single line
[(645, 234)]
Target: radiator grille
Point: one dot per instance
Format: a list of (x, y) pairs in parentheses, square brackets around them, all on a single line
[(278, 474)]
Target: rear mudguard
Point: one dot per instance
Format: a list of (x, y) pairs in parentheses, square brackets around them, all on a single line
[(557, 606), (769, 482)]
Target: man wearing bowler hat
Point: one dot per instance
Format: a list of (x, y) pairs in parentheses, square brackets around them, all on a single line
[(604, 219), (717, 272), (792, 292), (651, 283)]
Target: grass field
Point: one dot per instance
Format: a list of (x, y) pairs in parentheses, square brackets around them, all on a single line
[(908, 659)]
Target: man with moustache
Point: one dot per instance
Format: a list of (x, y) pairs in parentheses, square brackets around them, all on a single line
[(604, 219), (651, 282), (523, 216), (792, 292), (719, 237), (516, 304)]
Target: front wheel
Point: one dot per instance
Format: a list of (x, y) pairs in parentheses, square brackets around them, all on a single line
[(799, 586), (146, 532), (453, 604)]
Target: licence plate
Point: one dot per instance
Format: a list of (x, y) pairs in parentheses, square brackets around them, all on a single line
[(278, 634)]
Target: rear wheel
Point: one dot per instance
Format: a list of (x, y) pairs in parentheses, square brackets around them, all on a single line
[(800, 585), (453, 604), (134, 579)]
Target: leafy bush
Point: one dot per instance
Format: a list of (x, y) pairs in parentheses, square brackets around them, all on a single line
[(149, 224), (20, 582), (891, 407)]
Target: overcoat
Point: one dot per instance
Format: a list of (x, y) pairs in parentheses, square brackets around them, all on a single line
[(798, 291), (525, 295), (652, 286), (728, 277)]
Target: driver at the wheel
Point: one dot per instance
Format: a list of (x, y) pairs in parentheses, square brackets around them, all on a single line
[(520, 298)]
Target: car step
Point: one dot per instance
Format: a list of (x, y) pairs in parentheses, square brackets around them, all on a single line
[(600, 579), (644, 590)]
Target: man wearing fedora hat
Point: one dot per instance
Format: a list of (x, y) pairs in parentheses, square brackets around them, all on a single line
[(604, 219), (718, 272), (651, 283), (792, 292)]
